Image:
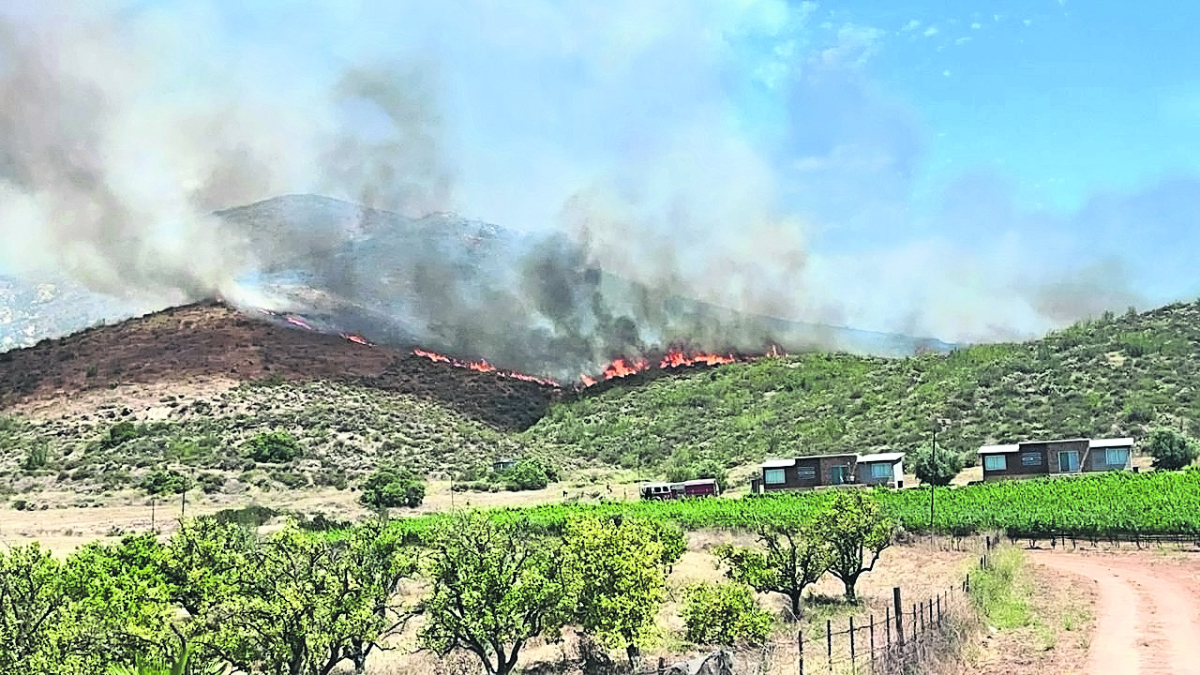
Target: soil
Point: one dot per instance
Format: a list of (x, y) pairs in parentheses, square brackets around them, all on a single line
[(1148, 612), (208, 346)]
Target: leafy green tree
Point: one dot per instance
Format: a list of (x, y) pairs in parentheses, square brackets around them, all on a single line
[(169, 482), (291, 603), (392, 486), (793, 557), (1171, 449), (494, 588), (723, 614), (936, 466), (618, 569), (120, 433), (854, 526), (275, 447), (528, 474), (31, 596)]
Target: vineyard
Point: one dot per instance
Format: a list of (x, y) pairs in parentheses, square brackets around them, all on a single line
[(1097, 506)]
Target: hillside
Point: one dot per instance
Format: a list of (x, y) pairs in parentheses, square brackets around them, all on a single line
[(1117, 375), (197, 382)]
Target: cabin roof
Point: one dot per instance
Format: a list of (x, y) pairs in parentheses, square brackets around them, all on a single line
[(998, 449), (892, 457), (1111, 443)]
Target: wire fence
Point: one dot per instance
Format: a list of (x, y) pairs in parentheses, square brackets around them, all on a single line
[(1114, 539), (906, 636)]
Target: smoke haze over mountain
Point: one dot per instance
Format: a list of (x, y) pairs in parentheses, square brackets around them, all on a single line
[(742, 154)]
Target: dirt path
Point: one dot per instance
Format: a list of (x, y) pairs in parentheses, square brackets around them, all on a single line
[(1148, 613)]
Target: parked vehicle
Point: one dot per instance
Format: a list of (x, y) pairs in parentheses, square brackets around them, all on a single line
[(702, 487)]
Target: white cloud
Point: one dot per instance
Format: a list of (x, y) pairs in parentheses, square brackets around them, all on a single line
[(976, 25), (962, 40), (946, 73), (1028, 22), (931, 31), (911, 25)]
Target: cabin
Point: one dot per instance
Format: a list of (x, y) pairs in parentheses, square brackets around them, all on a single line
[(1049, 458), (816, 471), (701, 487)]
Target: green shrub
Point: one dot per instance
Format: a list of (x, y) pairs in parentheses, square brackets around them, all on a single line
[(723, 614), (276, 447), (165, 482), (290, 478), (210, 483), (528, 474), (390, 486), (120, 433), (36, 457), (1171, 450), (936, 467), (247, 516)]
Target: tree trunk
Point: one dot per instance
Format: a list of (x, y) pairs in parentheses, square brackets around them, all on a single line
[(632, 651), (797, 608), (849, 583)]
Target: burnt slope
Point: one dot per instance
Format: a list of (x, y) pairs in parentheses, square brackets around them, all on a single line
[(210, 341)]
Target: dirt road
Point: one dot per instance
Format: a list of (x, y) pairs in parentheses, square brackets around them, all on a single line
[(1148, 614)]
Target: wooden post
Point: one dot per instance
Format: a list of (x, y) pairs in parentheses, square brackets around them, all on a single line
[(662, 666), (887, 624), (939, 610), (918, 619), (829, 643), (872, 643), (800, 645), (853, 664), (899, 615)]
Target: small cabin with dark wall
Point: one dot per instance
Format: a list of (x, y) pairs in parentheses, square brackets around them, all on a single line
[(1062, 457), (816, 471)]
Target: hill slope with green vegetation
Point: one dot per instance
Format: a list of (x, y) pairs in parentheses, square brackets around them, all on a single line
[(1118, 375)]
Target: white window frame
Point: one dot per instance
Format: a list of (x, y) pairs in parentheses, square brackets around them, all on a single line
[(1061, 469), (881, 470), (995, 462), (1108, 456), (774, 476)]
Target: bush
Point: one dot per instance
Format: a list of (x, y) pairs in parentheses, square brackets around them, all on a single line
[(165, 483), (529, 474), (36, 457), (247, 516), (936, 467), (120, 433), (211, 482), (1171, 450), (391, 486), (276, 447), (724, 613)]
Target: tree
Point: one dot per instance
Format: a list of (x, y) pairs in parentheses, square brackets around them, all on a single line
[(618, 571), (276, 447), (30, 599), (528, 474), (392, 486), (936, 466), (291, 603), (853, 525), (1171, 449), (495, 586), (795, 557), (724, 613)]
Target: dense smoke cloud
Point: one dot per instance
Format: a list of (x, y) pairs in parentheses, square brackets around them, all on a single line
[(737, 154)]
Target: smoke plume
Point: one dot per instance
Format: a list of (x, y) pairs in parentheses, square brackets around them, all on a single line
[(721, 174)]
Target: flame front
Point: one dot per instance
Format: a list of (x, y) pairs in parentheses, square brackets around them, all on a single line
[(481, 366)]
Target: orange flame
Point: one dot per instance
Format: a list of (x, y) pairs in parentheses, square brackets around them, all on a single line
[(356, 338), (482, 366), (297, 321)]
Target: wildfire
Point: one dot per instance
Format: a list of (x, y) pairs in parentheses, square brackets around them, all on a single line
[(481, 366)]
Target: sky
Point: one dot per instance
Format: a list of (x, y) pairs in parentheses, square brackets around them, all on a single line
[(966, 170)]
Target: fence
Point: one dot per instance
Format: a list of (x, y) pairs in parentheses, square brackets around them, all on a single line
[(897, 642), (1114, 539)]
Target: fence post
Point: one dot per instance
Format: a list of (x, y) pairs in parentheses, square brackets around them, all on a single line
[(800, 644), (662, 665), (887, 624), (918, 618), (899, 615), (853, 663), (939, 610), (829, 643), (872, 644)]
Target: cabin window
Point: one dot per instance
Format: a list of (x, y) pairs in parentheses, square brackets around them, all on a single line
[(773, 476), (806, 472), (995, 462), (1116, 456), (881, 470), (1031, 458)]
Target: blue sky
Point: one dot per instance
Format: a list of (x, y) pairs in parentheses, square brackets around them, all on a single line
[(971, 170)]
